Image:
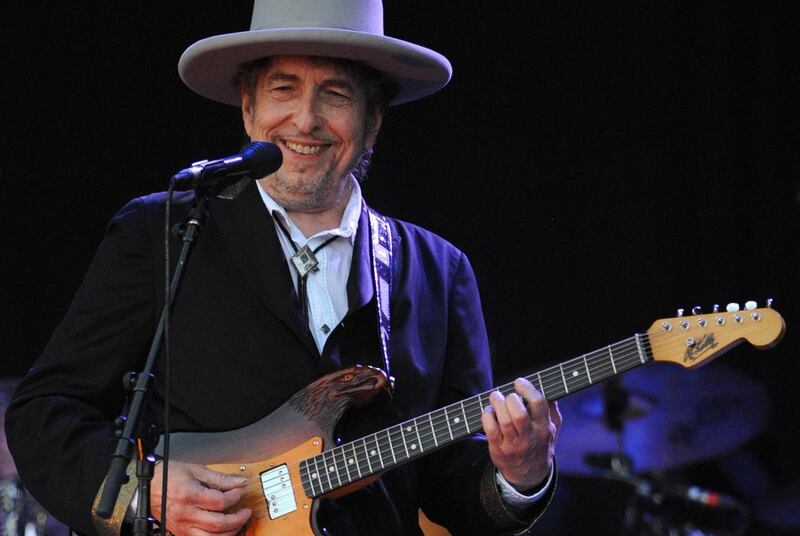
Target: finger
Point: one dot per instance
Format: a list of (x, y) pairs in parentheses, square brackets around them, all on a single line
[(216, 500), (490, 427), (217, 480), (555, 415), (507, 429), (219, 523), (537, 405)]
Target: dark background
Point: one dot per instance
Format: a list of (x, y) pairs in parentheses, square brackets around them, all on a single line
[(601, 163)]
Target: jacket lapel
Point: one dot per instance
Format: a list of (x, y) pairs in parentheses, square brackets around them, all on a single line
[(359, 283), (249, 233)]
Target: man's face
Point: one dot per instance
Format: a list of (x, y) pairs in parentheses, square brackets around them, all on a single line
[(316, 112)]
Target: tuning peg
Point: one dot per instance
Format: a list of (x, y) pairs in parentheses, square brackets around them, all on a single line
[(680, 312), (696, 310), (769, 303), (750, 305), (732, 307), (715, 309)]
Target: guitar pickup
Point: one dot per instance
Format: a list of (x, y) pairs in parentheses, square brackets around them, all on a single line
[(278, 491)]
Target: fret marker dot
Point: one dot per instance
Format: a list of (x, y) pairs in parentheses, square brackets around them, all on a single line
[(350, 461), (331, 469), (413, 446), (457, 419), (408, 429), (372, 453), (574, 373), (313, 475)]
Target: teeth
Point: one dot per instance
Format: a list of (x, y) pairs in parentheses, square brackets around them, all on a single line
[(304, 149)]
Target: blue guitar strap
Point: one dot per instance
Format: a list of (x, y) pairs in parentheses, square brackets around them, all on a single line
[(381, 240)]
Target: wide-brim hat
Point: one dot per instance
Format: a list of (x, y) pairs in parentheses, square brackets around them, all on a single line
[(349, 29)]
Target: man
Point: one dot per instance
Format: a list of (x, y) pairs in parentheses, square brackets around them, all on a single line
[(250, 327)]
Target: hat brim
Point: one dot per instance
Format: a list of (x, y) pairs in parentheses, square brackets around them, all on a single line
[(209, 66)]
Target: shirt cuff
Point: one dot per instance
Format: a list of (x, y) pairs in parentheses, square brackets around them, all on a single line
[(519, 501)]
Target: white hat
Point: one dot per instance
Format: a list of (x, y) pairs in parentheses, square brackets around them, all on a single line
[(349, 29)]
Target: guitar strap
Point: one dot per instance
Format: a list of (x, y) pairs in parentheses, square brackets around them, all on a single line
[(381, 241)]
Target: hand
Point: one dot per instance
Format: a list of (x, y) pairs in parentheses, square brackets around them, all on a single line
[(197, 498), (522, 439)]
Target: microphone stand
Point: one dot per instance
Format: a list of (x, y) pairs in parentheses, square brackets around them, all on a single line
[(116, 476)]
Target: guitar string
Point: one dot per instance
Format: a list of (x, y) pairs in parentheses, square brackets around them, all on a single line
[(394, 439), (548, 379), (555, 380)]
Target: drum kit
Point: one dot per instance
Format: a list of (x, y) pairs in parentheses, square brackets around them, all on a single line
[(655, 421)]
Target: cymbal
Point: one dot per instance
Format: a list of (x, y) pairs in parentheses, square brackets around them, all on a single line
[(673, 417), (7, 467)]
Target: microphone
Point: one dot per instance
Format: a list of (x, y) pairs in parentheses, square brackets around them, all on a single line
[(257, 160), (700, 496)]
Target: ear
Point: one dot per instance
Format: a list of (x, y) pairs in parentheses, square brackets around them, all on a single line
[(373, 127), (247, 110)]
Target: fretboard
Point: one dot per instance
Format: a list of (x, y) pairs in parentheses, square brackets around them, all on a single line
[(388, 448)]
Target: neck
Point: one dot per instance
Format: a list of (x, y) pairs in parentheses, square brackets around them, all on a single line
[(310, 223)]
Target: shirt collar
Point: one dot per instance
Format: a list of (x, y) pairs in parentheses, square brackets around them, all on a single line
[(347, 227)]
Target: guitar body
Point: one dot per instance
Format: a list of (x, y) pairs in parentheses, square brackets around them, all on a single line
[(269, 451)]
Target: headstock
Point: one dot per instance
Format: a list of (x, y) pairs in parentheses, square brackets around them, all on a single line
[(692, 341)]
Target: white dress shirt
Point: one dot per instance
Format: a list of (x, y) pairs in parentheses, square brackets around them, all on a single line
[(326, 290)]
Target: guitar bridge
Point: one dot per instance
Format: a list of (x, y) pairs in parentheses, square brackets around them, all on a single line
[(278, 491)]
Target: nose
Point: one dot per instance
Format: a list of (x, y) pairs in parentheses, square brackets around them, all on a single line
[(308, 116)]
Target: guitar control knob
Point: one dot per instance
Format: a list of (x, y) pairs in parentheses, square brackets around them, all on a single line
[(696, 310), (750, 305), (732, 307)]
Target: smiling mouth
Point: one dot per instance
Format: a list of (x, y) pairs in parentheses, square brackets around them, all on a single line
[(303, 149)]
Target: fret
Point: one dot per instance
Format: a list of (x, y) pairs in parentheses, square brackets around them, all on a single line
[(305, 477), (366, 454), (352, 459), (586, 364), (419, 439), (433, 430), (611, 356), (455, 421), (474, 422), (316, 475), (439, 420), (576, 374), (330, 469), (375, 458), (554, 380), (391, 446), (464, 416), (340, 461), (541, 386), (563, 378), (411, 439), (447, 420), (403, 440)]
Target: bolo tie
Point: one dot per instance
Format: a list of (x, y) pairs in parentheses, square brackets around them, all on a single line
[(305, 262)]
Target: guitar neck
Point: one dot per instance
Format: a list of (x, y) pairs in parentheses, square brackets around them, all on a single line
[(393, 446)]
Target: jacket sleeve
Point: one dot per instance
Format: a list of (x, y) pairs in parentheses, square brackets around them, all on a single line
[(60, 422), (458, 487)]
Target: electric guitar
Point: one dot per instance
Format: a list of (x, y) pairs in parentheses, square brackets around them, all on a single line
[(292, 461)]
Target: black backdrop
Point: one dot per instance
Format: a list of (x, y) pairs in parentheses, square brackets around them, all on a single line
[(602, 163)]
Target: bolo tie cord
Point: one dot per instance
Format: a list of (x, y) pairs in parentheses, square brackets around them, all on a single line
[(305, 262)]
